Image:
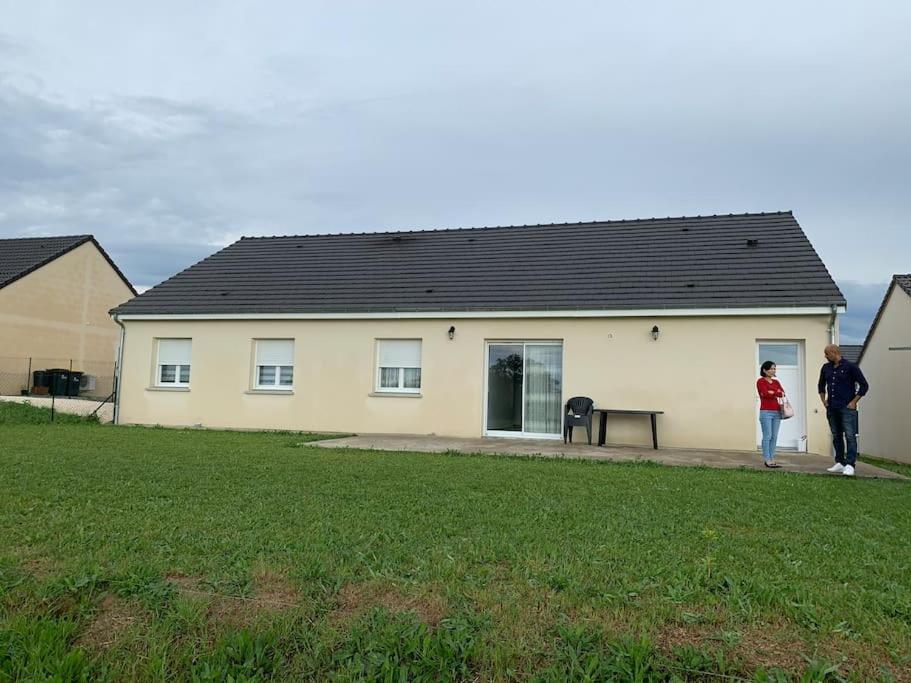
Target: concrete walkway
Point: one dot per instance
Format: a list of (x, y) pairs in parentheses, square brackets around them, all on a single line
[(807, 463)]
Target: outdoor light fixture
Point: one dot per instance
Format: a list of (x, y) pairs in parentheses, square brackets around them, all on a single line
[(452, 332), (655, 333)]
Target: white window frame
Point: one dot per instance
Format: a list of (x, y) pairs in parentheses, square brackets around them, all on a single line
[(276, 385), (400, 388), (178, 367)]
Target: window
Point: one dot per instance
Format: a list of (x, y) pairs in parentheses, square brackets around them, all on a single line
[(274, 364), (398, 365), (173, 366)]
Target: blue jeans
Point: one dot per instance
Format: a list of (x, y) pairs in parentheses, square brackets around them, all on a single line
[(843, 424), (770, 421)]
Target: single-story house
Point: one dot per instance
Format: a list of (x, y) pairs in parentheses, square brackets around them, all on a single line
[(885, 360), (851, 352), (488, 331), (55, 295)]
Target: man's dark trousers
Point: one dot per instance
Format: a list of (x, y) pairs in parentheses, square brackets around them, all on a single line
[(843, 423)]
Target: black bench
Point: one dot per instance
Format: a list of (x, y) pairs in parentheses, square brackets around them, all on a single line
[(602, 427)]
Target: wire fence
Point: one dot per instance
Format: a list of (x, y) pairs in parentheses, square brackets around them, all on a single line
[(103, 408), (62, 377)]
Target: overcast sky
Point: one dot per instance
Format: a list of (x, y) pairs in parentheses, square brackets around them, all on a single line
[(168, 129)]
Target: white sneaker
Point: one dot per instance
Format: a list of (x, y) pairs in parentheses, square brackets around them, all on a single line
[(837, 467), (849, 471)]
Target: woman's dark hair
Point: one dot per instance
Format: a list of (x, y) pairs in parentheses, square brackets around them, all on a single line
[(765, 368)]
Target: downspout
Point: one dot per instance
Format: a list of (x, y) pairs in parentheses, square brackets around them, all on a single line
[(832, 319), (117, 370)]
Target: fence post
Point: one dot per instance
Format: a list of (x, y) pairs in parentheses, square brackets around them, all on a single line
[(28, 377), (53, 396)]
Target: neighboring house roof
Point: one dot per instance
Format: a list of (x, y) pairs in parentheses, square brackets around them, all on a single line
[(23, 255), (744, 260), (850, 352), (903, 282)]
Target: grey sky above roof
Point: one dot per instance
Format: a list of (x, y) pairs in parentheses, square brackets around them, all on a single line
[(172, 128), (701, 262)]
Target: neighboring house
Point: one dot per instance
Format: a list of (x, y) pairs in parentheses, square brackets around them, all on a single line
[(488, 331), (885, 430), (55, 294), (851, 352)]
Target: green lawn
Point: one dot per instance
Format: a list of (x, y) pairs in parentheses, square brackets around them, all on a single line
[(900, 467), (132, 553)]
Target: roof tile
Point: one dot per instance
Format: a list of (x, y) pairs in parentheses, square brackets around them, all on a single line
[(670, 263)]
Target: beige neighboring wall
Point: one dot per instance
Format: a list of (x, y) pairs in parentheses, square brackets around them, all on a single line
[(885, 430), (701, 372), (60, 311)]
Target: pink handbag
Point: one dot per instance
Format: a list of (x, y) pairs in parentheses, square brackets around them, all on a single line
[(787, 410)]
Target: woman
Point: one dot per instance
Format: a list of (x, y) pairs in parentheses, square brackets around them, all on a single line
[(770, 395)]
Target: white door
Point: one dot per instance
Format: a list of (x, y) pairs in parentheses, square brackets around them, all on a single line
[(788, 358), (524, 389)]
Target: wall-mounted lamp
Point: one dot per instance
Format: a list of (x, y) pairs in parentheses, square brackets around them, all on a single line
[(452, 332), (655, 333)]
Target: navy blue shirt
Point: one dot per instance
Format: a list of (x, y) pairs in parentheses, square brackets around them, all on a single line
[(842, 383)]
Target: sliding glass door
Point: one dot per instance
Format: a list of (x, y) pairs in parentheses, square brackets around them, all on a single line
[(524, 389)]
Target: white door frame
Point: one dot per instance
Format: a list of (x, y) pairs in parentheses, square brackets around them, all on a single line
[(484, 397), (800, 401)]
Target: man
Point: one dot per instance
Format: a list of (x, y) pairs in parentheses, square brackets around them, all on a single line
[(841, 386)]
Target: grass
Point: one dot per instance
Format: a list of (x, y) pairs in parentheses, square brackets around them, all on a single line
[(149, 554), (900, 467), (26, 413)]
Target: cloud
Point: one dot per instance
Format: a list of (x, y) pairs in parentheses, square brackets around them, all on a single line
[(228, 120)]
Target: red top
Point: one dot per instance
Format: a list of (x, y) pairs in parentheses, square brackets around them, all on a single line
[(769, 393)]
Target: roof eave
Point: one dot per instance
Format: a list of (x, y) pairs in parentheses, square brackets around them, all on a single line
[(125, 313)]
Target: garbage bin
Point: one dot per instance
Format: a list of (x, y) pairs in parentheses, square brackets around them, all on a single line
[(72, 387), (39, 382), (58, 379)]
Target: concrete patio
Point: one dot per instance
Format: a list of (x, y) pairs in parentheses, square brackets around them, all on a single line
[(806, 463)]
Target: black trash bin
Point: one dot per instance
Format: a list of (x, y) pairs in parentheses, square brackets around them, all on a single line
[(72, 387), (58, 378), (39, 381)]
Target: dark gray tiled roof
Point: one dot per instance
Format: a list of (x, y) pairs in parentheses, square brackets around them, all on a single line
[(851, 352), (23, 255), (903, 282), (668, 263)]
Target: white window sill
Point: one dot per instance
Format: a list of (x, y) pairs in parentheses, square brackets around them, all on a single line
[(396, 394), (167, 388), (274, 392)]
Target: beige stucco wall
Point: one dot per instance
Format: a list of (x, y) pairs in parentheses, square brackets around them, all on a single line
[(701, 372), (60, 312), (885, 430)]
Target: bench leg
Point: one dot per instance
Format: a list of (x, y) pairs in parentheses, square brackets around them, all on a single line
[(602, 429), (654, 432)]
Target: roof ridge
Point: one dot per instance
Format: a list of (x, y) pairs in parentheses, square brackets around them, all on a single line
[(614, 221), (47, 237)]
